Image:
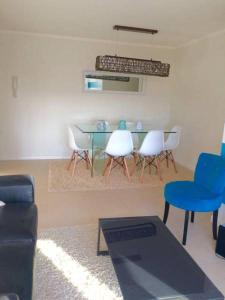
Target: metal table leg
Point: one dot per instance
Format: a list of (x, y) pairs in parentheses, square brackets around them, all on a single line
[(92, 155), (100, 252)]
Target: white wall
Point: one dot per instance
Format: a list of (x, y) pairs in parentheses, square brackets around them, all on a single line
[(199, 102), (50, 92)]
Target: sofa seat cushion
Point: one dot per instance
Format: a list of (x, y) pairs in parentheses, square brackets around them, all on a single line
[(18, 222), (16, 268)]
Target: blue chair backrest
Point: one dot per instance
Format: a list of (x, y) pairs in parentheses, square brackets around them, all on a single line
[(210, 172), (223, 154)]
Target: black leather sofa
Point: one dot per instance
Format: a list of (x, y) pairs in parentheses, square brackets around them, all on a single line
[(9, 297), (18, 235)]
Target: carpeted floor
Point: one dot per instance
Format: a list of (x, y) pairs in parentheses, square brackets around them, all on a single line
[(67, 267)]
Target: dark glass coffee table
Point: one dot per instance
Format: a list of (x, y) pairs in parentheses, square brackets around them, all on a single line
[(150, 263)]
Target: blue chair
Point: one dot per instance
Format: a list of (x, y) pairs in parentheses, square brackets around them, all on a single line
[(204, 194)]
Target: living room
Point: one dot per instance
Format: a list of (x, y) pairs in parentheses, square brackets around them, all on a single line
[(48, 51)]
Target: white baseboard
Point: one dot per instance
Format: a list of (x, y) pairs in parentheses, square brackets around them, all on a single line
[(34, 157)]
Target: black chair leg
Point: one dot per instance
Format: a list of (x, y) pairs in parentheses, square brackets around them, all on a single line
[(186, 220), (192, 217), (214, 225), (166, 212)]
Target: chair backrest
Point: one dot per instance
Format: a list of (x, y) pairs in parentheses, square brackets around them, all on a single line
[(174, 138), (153, 143), (72, 143), (77, 139), (210, 172), (120, 143)]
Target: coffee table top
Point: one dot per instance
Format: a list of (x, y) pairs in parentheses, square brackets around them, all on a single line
[(151, 264)]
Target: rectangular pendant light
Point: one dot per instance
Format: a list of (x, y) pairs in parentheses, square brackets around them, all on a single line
[(121, 64)]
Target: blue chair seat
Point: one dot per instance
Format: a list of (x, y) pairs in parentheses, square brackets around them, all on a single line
[(190, 196)]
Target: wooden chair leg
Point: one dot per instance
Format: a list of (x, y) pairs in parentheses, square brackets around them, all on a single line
[(186, 220), (71, 160), (126, 168), (135, 156), (106, 166), (166, 212), (150, 167), (110, 166), (192, 217), (74, 164), (142, 170), (167, 159), (86, 159), (173, 161), (89, 160), (123, 165), (158, 167), (215, 219)]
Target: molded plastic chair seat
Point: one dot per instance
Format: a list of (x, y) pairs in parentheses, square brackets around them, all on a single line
[(120, 145), (188, 195), (173, 139), (78, 141), (149, 152), (79, 152)]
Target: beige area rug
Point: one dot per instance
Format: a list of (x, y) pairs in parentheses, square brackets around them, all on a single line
[(67, 268), (61, 180)]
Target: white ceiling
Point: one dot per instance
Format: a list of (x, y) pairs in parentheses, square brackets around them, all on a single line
[(178, 21)]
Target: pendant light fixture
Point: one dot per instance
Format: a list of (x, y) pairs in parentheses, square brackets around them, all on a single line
[(120, 64)]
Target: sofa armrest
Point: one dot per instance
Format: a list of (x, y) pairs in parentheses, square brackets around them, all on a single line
[(17, 188)]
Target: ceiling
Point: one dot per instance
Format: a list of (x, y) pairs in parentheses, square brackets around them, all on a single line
[(178, 21)]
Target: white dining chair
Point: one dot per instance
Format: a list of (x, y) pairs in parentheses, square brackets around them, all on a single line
[(150, 151), (171, 144), (120, 146), (79, 151)]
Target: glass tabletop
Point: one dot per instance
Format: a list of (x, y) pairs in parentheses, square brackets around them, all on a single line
[(92, 128), (151, 264)]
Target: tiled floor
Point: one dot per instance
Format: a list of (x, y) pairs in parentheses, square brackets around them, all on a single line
[(70, 208)]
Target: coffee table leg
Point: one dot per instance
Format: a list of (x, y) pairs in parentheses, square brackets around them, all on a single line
[(98, 243), (102, 252)]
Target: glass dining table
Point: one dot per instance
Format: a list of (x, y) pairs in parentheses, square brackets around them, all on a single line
[(99, 137)]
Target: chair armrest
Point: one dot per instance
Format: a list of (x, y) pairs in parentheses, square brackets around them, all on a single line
[(16, 188)]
